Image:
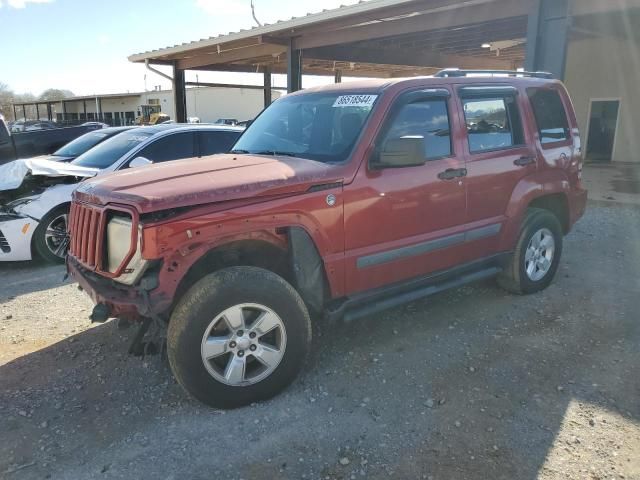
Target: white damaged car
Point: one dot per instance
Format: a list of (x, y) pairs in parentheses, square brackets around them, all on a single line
[(35, 194)]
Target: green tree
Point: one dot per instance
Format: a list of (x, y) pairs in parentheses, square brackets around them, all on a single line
[(6, 99), (55, 94)]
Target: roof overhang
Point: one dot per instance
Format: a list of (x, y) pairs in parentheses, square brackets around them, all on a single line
[(382, 38)]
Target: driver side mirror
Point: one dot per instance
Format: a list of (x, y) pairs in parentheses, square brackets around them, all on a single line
[(139, 162), (402, 152)]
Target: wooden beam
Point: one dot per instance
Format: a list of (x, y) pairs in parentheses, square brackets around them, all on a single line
[(294, 69), (393, 11), (179, 95), (229, 85), (466, 13), (420, 58), (267, 87), (230, 56)]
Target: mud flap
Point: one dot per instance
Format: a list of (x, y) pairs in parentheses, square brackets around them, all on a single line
[(308, 269)]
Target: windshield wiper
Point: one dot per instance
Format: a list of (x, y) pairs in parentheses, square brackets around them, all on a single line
[(239, 151), (275, 153)]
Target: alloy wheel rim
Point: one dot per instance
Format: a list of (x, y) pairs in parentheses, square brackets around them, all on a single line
[(539, 254), (56, 237), (244, 344)]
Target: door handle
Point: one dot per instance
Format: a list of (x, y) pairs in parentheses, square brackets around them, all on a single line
[(524, 161), (452, 173)]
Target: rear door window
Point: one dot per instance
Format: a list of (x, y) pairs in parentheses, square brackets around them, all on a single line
[(172, 147), (550, 114), (428, 119), (216, 142), (492, 123)]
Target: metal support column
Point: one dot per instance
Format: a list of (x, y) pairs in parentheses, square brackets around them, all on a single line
[(64, 111), (548, 31), (337, 77), (15, 114), (37, 112), (24, 112), (100, 109), (179, 95), (49, 112), (294, 68), (267, 87), (84, 106)]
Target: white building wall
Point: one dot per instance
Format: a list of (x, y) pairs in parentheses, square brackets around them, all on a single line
[(607, 67), (206, 103), (212, 103)]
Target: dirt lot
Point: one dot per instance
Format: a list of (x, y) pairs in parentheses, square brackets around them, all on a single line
[(473, 383)]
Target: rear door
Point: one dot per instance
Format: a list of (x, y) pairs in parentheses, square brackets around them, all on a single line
[(499, 155), (402, 223), (215, 141), (175, 146), (7, 152)]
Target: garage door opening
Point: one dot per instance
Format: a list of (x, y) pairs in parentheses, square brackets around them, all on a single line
[(603, 123)]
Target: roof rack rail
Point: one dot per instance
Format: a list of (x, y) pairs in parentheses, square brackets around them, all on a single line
[(456, 72)]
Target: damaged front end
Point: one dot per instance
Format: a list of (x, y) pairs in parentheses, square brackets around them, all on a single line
[(31, 177), (29, 189)]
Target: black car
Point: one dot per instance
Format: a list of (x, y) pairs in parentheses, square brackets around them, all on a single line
[(77, 147)]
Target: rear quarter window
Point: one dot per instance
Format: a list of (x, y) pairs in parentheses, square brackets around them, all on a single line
[(550, 115)]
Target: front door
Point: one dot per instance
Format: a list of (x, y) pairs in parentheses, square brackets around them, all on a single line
[(402, 223)]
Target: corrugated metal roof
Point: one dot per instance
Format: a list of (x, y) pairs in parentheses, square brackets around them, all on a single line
[(269, 29)]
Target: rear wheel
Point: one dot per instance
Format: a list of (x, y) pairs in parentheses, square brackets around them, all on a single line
[(535, 260), (238, 336), (51, 240)]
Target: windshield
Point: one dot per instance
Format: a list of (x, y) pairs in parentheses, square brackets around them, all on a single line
[(81, 144), (106, 154), (317, 126)]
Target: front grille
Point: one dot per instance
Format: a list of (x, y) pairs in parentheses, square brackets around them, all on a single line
[(84, 224), (4, 245)]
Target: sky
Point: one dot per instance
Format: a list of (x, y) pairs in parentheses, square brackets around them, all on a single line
[(83, 45)]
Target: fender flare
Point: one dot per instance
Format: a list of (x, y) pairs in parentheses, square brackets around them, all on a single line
[(537, 185)]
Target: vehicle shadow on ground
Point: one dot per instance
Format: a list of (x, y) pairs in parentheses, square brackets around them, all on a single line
[(466, 385), (472, 383), (29, 277)]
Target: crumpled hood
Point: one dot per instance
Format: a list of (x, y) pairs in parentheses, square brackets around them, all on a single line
[(205, 180), (12, 174)]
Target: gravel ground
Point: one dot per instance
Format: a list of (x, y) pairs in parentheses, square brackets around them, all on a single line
[(472, 383)]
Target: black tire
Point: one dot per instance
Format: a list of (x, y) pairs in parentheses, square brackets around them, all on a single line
[(39, 236), (205, 301), (514, 277)]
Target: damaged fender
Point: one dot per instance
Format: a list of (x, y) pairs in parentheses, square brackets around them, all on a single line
[(13, 174), (18, 226)]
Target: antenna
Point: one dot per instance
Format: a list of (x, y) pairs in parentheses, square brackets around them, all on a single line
[(253, 14)]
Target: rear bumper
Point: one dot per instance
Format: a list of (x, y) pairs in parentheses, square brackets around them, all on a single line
[(15, 238), (122, 301)]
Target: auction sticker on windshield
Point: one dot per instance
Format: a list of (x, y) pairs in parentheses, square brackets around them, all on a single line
[(355, 100)]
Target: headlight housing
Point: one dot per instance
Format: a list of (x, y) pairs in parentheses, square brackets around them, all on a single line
[(118, 246)]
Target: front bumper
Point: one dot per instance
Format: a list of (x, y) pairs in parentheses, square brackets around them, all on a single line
[(15, 238), (121, 301)]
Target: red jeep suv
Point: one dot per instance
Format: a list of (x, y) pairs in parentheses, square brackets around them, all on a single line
[(337, 202)]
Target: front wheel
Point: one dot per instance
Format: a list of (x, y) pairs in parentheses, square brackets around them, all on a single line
[(238, 336), (535, 260), (51, 240)]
